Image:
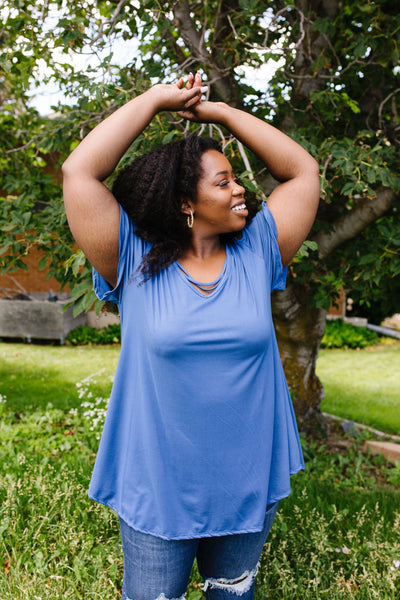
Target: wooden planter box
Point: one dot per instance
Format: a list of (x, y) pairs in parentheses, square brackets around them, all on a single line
[(37, 319)]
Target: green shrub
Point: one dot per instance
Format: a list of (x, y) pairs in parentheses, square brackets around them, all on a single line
[(83, 335), (339, 334)]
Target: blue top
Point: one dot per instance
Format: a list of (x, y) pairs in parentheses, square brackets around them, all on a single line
[(200, 434)]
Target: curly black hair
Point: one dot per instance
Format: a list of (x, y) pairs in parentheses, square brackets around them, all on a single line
[(151, 189)]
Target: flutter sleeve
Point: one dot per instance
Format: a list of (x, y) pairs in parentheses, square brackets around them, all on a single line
[(131, 249), (261, 237)]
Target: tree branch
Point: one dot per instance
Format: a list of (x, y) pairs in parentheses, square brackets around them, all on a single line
[(24, 147), (365, 212), (381, 124), (191, 36), (219, 74), (221, 71), (112, 22)]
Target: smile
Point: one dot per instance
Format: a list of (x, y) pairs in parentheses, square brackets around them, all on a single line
[(239, 207)]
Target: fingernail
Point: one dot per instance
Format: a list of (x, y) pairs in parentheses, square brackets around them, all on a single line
[(203, 89)]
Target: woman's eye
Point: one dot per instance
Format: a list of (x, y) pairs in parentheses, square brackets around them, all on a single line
[(228, 181)]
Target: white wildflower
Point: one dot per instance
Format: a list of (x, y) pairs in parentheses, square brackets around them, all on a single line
[(345, 550), (396, 565)]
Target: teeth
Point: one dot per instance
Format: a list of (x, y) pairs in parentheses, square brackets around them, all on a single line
[(239, 207)]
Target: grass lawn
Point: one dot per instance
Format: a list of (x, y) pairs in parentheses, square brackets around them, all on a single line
[(363, 385), (337, 536), (32, 375)]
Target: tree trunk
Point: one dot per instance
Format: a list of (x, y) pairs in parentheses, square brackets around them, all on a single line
[(299, 330)]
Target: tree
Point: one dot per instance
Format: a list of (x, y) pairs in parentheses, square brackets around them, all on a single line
[(336, 90)]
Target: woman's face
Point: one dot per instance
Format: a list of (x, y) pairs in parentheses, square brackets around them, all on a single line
[(220, 205)]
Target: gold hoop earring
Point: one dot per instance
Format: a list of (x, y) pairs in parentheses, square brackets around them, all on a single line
[(190, 220)]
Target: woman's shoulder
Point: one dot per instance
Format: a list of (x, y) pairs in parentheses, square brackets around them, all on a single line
[(261, 226), (259, 237)]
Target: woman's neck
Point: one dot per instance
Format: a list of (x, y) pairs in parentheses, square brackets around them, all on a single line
[(204, 249)]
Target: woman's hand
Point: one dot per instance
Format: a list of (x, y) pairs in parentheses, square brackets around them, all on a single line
[(205, 112), (201, 111), (176, 97)]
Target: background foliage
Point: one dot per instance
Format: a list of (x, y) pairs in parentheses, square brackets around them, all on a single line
[(339, 334), (335, 89)]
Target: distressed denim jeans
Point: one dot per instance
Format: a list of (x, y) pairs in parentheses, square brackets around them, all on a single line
[(158, 569)]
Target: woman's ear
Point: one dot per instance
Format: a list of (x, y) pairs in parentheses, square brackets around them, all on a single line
[(187, 206)]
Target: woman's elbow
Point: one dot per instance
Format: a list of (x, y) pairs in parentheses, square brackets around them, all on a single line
[(69, 167), (313, 168), (314, 179)]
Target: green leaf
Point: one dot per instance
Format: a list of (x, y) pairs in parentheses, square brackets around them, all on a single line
[(81, 289), (43, 263), (169, 137), (349, 188), (305, 247)]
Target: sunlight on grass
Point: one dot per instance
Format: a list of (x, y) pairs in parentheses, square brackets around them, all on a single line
[(363, 385), (34, 375)]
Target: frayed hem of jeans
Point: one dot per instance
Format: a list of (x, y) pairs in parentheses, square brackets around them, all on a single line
[(238, 586), (164, 597)]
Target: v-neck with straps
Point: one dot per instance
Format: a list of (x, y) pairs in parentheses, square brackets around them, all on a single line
[(204, 288)]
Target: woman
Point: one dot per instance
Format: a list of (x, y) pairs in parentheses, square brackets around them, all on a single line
[(200, 438)]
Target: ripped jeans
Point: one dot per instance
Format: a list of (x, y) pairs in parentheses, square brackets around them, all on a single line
[(158, 569)]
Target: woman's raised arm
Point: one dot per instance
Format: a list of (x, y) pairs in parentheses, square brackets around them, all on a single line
[(294, 201), (92, 211)]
